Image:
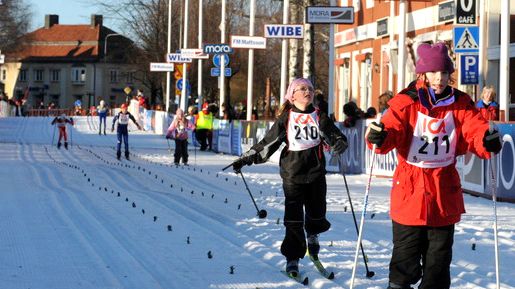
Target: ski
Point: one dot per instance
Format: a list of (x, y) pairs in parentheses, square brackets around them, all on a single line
[(320, 267), (299, 278)]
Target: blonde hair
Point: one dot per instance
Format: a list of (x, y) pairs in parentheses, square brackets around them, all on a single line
[(489, 89)]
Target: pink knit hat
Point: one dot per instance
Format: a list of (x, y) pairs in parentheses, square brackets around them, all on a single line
[(294, 84), (433, 58)]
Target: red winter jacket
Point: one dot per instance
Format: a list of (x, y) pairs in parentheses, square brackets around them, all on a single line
[(429, 196)]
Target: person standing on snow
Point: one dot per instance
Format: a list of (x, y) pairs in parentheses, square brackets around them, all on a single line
[(61, 122), (178, 131), (204, 126), (102, 111), (430, 123), (122, 131), (304, 129)]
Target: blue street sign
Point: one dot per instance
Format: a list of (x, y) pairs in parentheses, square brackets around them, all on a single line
[(466, 39), (217, 62), (215, 71), (469, 69), (178, 85)]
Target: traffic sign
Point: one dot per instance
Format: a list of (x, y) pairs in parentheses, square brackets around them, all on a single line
[(284, 31), (158, 66), (466, 39), (217, 62), (178, 85), (469, 69), (215, 71)]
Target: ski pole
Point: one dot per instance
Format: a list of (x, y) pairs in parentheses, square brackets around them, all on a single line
[(363, 213), (261, 213), (169, 148), (370, 274), (53, 135), (71, 135), (194, 137), (493, 187)]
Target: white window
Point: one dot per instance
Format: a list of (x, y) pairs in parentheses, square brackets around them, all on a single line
[(38, 75), (130, 76), (23, 75), (79, 75), (113, 73), (54, 75)]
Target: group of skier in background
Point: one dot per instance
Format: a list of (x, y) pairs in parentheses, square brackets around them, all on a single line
[(429, 124)]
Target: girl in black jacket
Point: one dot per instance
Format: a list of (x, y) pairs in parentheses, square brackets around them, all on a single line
[(303, 127)]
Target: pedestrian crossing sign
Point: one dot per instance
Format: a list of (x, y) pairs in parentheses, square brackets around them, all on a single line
[(466, 39)]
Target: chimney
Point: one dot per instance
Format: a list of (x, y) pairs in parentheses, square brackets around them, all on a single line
[(96, 20), (51, 20)]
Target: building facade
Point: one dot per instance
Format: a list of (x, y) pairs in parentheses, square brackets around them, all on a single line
[(62, 63), (378, 52)]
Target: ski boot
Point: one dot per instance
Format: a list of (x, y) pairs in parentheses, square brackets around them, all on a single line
[(118, 155), (58, 145), (292, 267), (66, 145), (313, 246), (127, 155), (99, 132), (105, 132)]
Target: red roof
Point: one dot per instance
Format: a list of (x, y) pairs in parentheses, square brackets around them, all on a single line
[(79, 42)]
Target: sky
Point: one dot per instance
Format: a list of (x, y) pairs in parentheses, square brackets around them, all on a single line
[(69, 11), (80, 219)]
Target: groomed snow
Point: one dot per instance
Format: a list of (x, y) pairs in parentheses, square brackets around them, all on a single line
[(64, 226)]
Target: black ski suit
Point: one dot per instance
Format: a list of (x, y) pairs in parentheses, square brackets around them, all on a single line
[(303, 173)]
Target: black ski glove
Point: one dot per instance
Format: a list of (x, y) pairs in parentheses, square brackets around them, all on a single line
[(340, 145), (376, 133), (492, 141), (245, 159)]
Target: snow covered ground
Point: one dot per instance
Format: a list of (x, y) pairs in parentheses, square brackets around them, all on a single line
[(79, 218)]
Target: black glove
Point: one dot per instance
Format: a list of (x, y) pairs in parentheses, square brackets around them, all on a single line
[(245, 159), (492, 141), (376, 133), (167, 137), (340, 145)]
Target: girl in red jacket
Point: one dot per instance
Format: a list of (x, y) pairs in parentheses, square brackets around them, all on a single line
[(429, 123)]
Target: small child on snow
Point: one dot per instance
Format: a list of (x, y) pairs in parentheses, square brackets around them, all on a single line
[(61, 122), (304, 129), (178, 131), (122, 131)]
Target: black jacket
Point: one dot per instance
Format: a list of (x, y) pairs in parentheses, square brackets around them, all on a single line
[(298, 167)]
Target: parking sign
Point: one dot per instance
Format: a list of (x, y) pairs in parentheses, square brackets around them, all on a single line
[(469, 69)]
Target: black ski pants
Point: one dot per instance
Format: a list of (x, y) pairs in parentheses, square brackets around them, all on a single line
[(181, 151), (298, 197), (421, 252)]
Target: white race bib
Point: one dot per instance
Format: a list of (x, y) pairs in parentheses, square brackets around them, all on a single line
[(303, 131), (434, 142), (123, 119)]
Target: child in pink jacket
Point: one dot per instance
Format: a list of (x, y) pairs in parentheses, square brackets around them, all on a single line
[(178, 131)]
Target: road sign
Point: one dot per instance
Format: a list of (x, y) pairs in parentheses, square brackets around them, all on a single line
[(466, 39), (254, 42), (217, 62), (284, 31), (215, 71), (217, 49), (466, 12), (469, 69), (178, 86), (161, 66), (194, 53), (330, 14), (177, 58)]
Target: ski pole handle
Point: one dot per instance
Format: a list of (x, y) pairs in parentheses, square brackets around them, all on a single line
[(229, 166)]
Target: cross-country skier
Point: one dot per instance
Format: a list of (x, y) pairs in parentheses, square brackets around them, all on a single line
[(102, 111), (178, 131), (122, 132), (430, 123), (303, 127), (61, 122)]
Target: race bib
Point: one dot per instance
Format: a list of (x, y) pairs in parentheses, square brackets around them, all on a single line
[(434, 142), (303, 131), (123, 119)]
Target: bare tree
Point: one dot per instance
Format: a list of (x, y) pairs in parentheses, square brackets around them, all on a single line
[(14, 22)]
